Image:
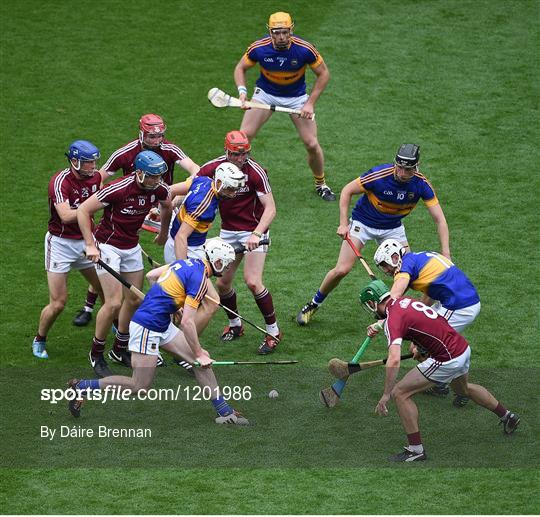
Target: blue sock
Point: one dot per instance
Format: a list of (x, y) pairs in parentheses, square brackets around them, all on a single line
[(319, 297), (84, 384), (222, 407)]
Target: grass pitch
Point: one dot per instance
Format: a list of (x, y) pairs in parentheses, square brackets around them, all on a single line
[(459, 78)]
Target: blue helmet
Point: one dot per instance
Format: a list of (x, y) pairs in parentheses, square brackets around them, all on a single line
[(150, 163), (83, 150)]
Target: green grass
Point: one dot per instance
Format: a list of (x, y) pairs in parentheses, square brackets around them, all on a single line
[(459, 78)]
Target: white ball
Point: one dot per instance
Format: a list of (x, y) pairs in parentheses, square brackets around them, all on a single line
[(273, 394)]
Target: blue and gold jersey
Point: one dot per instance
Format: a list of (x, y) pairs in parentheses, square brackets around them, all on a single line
[(198, 210), (183, 283), (283, 71), (386, 201), (437, 276)]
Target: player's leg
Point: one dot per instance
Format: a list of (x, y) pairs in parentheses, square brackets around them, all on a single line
[(307, 130), (84, 316), (143, 373), (253, 120), (412, 383), (178, 346), (345, 263), (227, 297), (108, 312), (481, 396), (119, 353), (253, 277), (58, 295)]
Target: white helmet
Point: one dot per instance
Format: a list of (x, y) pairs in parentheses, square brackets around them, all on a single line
[(217, 249), (386, 251), (229, 176)]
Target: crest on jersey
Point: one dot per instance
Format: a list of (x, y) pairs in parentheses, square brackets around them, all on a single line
[(404, 303), (294, 62), (410, 195), (152, 198), (85, 192), (94, 188)]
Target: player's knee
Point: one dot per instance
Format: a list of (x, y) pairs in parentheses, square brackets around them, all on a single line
[(113, 306), (398, 394), (311, 144), (341, 271), (58, 305), (254, 285)]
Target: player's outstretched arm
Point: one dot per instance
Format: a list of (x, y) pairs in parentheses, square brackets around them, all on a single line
[(322, 76), (347, 192), (437, 215)]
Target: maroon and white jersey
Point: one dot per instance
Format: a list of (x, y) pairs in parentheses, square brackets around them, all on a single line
[(243, 212), (124, 158), (65, 186), (411, 320), (126, 206)]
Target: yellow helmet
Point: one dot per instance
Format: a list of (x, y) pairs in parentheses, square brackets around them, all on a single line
[(280, 20)]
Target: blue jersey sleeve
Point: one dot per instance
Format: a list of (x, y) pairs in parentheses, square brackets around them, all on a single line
[(409, 266)]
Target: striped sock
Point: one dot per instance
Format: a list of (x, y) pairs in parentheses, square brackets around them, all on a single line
[(319, 180), (319, 297), (85, 384), (221, 406)]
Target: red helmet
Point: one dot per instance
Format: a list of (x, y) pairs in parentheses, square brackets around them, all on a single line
[(151, 123), (237, 142)]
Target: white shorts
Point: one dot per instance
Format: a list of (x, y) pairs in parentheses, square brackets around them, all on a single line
[(193, 252), (63, 255), (122, 261), (147, 342), (238, 239), (286, 102), (445, 373), (365, 233), (459, 319)]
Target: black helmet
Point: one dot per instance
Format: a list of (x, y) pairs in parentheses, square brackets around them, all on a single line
[(408, 155)]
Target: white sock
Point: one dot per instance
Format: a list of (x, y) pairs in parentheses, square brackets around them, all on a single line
[(416, 448), (88, 309), (272, 329), (236, 322)]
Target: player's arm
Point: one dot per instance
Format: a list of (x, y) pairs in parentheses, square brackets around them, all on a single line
[(437, 215), (181, 240), (391, 373), (85, 213), (189, 329), (348, 191), (240, 76), (322, 76), (189, 165), (67, 214), (400, 285), (165, 213), (269, 212), (180, 189), (153, 275)]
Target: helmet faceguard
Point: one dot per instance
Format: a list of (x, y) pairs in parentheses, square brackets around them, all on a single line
[(280, 27), (151, 130), (385, 255), (228, 177), (237, 148), (372, 295), (220, 254), (149, 168), (83, 151)]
